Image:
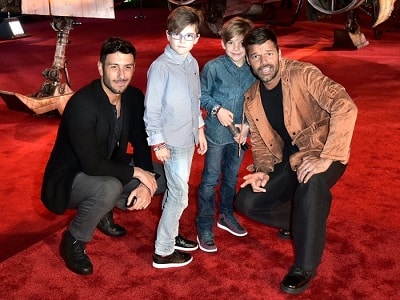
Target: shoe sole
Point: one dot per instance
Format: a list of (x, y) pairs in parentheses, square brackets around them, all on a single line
[(205, 249), (291, 291), (284, 237), (297, 291), (172, 265), (230, 231), (186, 249)]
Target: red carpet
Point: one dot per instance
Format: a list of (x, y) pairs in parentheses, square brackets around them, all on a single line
[(361, 259)]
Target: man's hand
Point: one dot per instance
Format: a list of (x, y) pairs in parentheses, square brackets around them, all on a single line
[(257, 180), (312, 165), (147, 178), (141, 197)]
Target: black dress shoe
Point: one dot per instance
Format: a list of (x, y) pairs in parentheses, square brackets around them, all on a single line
[(296, 281), (184, 244), (108, 227), (74, 254), (284, 234)]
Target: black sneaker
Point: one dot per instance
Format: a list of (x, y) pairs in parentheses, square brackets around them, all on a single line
[(74, 254), (207, 245), (230, 224), (174, 260), (184, 244)]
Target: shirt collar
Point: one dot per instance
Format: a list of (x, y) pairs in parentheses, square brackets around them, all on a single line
[(179, 59)]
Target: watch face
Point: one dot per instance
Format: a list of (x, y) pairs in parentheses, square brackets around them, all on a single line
[(215, 109)]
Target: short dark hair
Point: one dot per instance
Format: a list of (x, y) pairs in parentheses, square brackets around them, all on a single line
[(183, 16), (258, 36), (116, 44)]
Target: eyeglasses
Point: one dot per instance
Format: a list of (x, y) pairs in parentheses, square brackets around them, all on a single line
[(178, 36)]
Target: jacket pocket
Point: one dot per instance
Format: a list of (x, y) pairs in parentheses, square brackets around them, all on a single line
[(314, 136)]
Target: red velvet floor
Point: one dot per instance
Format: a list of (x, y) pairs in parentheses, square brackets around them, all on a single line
[(361, 259)]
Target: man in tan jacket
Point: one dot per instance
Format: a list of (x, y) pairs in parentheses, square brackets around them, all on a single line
[(301, 125)]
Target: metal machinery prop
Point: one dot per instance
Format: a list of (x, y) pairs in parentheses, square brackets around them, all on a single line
[(216, 10), (54, 92), (53, 85)]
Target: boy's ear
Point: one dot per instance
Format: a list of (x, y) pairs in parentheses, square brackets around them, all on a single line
[(196, 40), (223, 44)]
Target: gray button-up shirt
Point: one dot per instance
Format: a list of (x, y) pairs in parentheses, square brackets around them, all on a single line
[(172, 102)]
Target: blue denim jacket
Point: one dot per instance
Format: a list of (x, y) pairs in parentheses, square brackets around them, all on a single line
[(223, 83)]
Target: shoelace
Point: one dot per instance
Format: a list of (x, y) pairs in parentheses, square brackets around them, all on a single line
[(78, 251)]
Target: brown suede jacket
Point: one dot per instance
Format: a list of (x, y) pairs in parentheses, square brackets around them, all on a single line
[(319, 115)]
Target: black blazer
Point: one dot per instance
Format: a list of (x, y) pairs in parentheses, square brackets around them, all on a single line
[(84, 140)]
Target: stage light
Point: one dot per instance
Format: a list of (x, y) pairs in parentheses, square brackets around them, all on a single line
[(11, 28)]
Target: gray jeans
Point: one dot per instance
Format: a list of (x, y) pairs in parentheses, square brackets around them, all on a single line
[(95, 196)]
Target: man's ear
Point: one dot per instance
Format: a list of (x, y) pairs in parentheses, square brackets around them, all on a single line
[(100, 68)]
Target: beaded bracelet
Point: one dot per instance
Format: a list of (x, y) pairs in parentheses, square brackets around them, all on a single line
[(159, 147)]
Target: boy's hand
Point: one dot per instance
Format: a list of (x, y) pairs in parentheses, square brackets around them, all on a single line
[(162, 154), (202, 149), (225, 117), (244, 132)]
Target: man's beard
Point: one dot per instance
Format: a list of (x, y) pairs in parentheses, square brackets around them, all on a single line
[(267, 78), (107, 84)]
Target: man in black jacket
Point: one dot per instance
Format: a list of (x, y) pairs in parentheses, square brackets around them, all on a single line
[(89, 168)]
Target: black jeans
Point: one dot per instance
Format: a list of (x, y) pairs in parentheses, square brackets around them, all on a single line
[(302, 208)]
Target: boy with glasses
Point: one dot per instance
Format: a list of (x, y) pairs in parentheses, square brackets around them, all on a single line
[(174, 125)]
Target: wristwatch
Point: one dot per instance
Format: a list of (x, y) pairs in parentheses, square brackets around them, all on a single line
[(215, 110)]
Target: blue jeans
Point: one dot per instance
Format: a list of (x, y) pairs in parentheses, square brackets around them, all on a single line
[(176, 198), (221, 161)]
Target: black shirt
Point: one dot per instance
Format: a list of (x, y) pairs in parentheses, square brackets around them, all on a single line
[(273, 107), (117, 130)]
